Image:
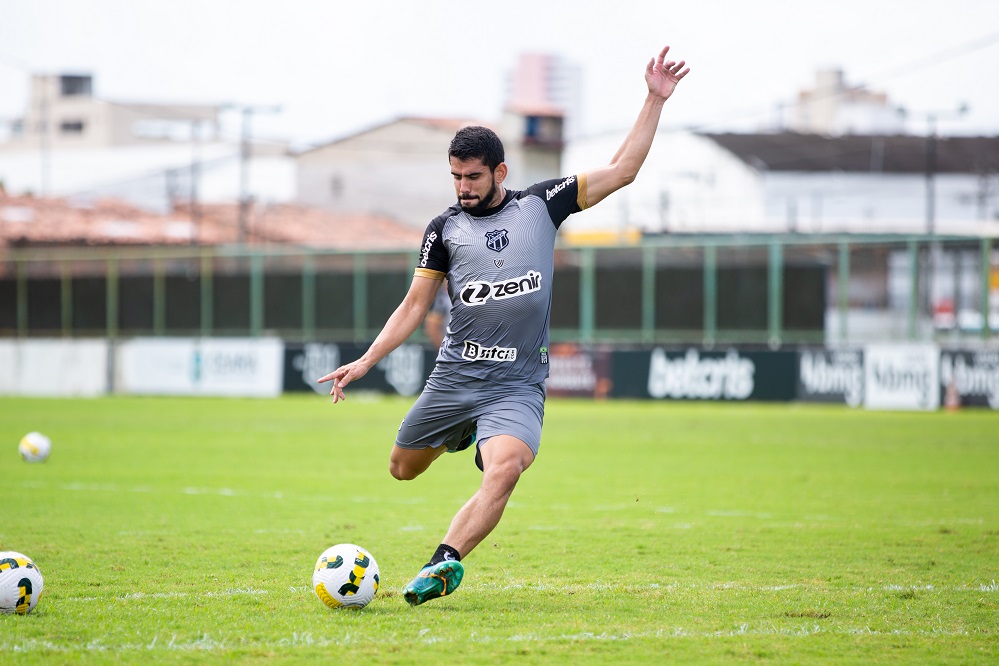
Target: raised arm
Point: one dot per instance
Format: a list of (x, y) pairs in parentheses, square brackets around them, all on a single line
[(662, 76), (403, 322)]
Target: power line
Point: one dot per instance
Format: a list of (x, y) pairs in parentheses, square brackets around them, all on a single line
[(934, 59), (942, 56)]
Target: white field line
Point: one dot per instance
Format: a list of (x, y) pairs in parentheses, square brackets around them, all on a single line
[(211, 643), (284, 531), (590, 587), (800, 523), (220, 492), (238, 592), (612, 587)]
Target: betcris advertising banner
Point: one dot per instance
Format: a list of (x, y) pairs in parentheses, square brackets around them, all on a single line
[(972, 375), (250, 367), (404, 371), (832, 376), (902, 376), (695, 374)]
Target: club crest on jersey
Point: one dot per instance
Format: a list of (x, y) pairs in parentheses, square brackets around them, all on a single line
[(497, 240)]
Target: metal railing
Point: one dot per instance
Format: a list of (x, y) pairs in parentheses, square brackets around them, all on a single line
[(761, 289)]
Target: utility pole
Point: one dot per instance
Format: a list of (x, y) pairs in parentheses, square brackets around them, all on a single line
[(195, 176), (45, 137), (245, 148), (935, 249), (933, 262), (931, 172)]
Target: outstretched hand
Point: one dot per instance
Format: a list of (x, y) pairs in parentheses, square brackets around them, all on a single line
[(342, 376), (663, 75)]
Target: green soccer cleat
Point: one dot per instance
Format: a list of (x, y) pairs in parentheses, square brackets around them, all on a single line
[(438, 580)]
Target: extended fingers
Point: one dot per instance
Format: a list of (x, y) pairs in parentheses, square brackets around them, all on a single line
[(671, 67), (674, 69), (326, 378), (337, 390)]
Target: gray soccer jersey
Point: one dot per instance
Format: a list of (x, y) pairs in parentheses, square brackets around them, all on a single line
[(499, 268)]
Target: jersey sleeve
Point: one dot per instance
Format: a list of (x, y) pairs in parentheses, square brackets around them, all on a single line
[(434, 260), (562, 196)]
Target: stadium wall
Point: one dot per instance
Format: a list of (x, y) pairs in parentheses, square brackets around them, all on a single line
[(876, 376)]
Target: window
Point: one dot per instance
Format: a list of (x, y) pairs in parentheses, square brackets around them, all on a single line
[(72, 86), (543, 130), (71, 127)]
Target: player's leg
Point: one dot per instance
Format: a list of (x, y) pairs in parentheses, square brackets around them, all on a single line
[(510, 428), (407, 464), (504, 459), (437, 422)]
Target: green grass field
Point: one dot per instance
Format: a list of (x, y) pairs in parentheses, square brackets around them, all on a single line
[(186, 530)]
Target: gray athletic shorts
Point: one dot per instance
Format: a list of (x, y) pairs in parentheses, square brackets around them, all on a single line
[(445, 413)]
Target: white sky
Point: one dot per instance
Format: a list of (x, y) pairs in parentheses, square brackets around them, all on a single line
[(336, 67)]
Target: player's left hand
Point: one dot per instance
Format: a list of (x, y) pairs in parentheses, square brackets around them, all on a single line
[(342, 376), (663, 75)]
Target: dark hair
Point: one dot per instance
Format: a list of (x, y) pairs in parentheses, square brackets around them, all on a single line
[(477, 142)]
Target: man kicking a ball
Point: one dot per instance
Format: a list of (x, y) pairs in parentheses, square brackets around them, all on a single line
[(496, 248)]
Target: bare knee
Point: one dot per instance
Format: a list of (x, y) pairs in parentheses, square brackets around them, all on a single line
[(407, 464), (505, 458), (402, 472), (506, 468), (502, 475)]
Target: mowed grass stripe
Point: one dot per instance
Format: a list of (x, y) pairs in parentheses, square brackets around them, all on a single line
[(644, 531)]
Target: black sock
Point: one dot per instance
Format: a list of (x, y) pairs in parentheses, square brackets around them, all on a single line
[(444, 552)]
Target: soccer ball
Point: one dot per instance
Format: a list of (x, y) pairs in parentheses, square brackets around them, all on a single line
[(346, 576), (20, 583), (35, 447)]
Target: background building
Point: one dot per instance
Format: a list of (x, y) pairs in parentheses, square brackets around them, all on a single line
[(400, 169), (73, 143), (63, 112), (832, 107), (550, 82)]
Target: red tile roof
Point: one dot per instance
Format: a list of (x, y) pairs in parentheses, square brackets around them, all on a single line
[(33, 221)]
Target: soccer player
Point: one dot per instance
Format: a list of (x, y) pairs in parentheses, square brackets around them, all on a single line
[(495, 246)]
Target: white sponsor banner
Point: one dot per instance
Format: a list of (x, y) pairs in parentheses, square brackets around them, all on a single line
[(826, 375), (973, 374), (8, 367), (902, 376), (54, 367), (191, 366)]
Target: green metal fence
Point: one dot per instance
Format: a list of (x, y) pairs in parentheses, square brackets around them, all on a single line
[(765, 290)]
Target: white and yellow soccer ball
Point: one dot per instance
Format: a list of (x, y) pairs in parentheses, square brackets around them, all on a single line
[(20, 583), (346, 576), (35, 447)]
